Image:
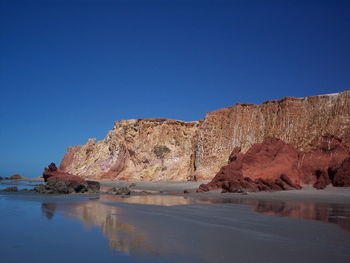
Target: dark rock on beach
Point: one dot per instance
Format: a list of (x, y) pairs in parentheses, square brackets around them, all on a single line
[(59, 185), (93, 186), (119, 191), (11, 189), (58, 182)]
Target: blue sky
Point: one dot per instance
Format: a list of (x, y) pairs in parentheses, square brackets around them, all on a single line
[(70, 68)]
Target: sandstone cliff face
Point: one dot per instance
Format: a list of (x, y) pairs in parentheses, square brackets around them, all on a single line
[(161, 149), (297, 121), (151, 149)]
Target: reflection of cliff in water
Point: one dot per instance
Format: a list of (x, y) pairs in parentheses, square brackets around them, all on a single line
[(122, 237), (158, 200), (338, 214), (129, 239)]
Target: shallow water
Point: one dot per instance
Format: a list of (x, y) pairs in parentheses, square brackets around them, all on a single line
[(18, 183), (161, 228)]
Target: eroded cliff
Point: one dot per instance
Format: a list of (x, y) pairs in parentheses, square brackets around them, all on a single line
[(162, 149), (150, 149), (274, 165)]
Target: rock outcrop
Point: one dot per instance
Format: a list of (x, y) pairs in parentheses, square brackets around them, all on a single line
[(118, 191), (169, 150), (51, 170), (58, 182), (275, 165)]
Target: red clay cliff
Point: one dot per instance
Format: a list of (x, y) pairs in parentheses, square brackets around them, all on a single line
[(275, 165)]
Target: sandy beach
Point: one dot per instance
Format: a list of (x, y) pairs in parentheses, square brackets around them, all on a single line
[(329, 195)]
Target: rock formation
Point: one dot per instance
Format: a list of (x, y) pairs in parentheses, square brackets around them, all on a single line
[(275, 165), (297, 121), (51, 170), (169, 150), (58, 182), (152, 149), (11, 189), (15, 177)]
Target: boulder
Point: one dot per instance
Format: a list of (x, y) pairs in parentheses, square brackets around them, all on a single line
[(65, 185), (119, 191)]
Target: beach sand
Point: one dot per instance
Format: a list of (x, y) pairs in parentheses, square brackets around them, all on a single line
[(307, 193)]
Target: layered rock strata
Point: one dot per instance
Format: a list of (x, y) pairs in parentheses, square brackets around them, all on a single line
[(169, 150), (151, 149)]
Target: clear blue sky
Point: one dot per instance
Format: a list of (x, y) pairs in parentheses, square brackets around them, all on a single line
[(69, 68)]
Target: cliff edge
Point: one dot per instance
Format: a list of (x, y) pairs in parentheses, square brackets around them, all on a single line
[(170, 150)]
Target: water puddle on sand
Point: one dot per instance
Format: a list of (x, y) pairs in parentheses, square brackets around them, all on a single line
[(20, 184)]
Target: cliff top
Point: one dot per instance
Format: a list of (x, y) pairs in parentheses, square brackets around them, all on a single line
[(154, 121)]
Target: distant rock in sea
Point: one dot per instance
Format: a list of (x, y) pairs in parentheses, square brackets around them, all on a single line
[(11, 189), (171, 150), (15, 177)]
